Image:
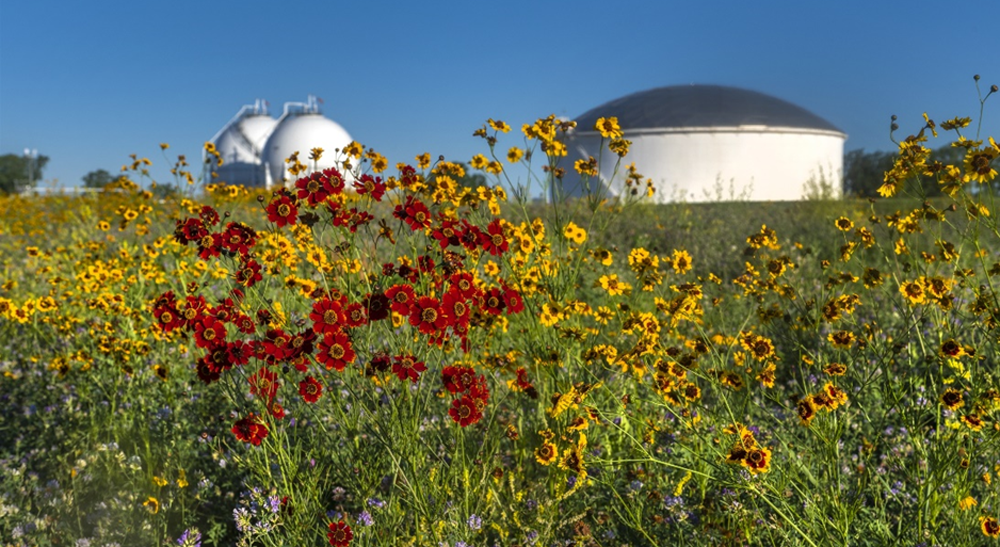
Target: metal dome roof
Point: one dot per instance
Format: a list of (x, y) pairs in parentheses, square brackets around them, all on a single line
[(702, 106), (300, 131)]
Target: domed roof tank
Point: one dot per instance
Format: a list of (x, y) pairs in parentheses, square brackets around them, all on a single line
[(241, 144), (300, 129)]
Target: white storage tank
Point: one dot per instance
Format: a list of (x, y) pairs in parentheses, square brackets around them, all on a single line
[(709, 142), (241, 142), (300, 129)]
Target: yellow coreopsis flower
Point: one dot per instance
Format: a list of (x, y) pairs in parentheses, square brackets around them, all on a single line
[(515, 154), (608, 127), (575, 233)]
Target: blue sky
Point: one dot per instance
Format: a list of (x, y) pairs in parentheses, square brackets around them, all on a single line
[(87, 83)]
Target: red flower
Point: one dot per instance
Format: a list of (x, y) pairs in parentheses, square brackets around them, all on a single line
[(245, 323), (264, 384), (512, 299), (209, 245), (250, 429), (335, 351), (465, 411), (238, 238), (356, 315), (493, 302), (367, 184), (402, 298), (414, 213), (471, 236), (493, 241), (192, 229), (457, 379), (282, 210), (209, 333), (455, 308), (464, 283), (426, 316), (407, 366), (318, 186), (238, 353), (276, 410), (377, 306), (167, 316), (207, 370), (310, 389), (249, 273), (340, 534), (328, 315), (208, 215), (448, 234)]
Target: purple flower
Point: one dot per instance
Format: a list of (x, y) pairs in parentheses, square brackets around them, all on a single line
[(365, 518), (475, 523)]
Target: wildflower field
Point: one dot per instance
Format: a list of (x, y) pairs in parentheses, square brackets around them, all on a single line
[(378, 356)]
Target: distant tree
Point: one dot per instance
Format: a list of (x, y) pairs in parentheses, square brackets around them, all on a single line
[(864, 172), (164, 191), (20, 172), (97, 179)]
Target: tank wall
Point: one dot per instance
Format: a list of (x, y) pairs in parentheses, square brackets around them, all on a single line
[(709, 166)]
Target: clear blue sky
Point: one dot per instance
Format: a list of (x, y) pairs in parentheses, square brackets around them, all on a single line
[(87, 83)]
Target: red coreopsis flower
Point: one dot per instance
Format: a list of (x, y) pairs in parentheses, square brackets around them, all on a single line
[(245, 323), (512, 300), (402, 298), (301, 344), (209, 245), (455, 308), (414, 213), (464, 283), (458, 379), (276, 410), (471, 236), (209, 333), (367, 184), (493, 240), (316, 187), (282, 210), (238, 353), (207, 370), (426, 315), (449, 233), (274, 348), (264, 384), (465, 411), (310, 389), (340, 534), (355, 219), (328, 315), (192, 310), (493, 301), (209, 215), (407, 366), (335, 351), (238, 238), (167, 316), (356, 315), (192, 229), (380, 362), (249, 273), (377, 306), (250, 429), (425, 263)]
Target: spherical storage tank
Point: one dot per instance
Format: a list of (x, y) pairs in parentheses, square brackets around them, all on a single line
[(707, 143), (300, 129), (240, 142)]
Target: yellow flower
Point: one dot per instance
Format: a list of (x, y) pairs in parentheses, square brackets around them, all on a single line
[(498, 125), (844, 224), (966, 503), (575, 233), (990, 527), (978, 164), (612, 284), (159, 481), (354, 149), (423, 160), (547, 453), (608, 127), (479, 161), (681, 261), (152, 504), (913, 292), (494, 167), (619, 146), (515, 154)]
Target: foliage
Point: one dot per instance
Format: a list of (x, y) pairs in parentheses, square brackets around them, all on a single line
[(20, 172), (97, 179)]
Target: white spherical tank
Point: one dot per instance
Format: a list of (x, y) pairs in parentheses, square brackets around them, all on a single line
[(301, 131), (240, 143), (711, 143)]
